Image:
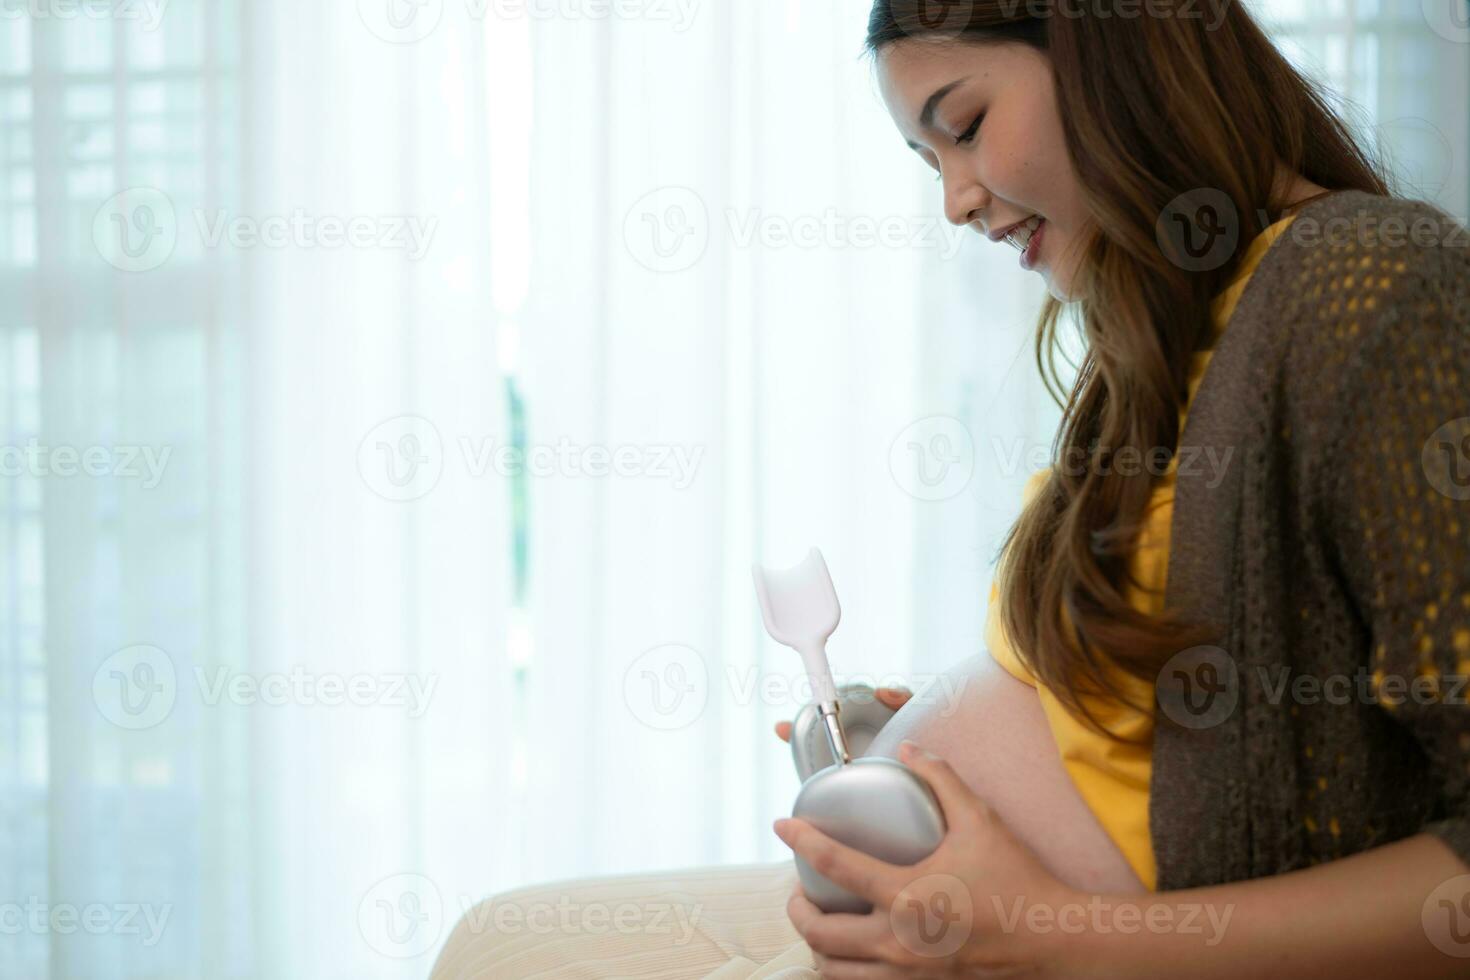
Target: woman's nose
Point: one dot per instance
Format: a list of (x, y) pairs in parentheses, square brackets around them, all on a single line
[(963, 199)]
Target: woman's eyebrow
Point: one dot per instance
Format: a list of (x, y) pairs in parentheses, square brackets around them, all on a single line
[(926, 115)]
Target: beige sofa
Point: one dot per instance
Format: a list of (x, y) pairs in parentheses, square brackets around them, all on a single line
[(712, 923)]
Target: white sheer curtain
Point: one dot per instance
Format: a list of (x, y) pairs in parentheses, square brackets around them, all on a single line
[(285, 700), (734, 254)]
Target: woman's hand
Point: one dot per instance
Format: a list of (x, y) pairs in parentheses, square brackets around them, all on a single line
[(894, 697), (981, 905)]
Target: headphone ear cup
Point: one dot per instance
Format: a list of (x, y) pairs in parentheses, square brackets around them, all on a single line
[(878, 806), (862, 716)]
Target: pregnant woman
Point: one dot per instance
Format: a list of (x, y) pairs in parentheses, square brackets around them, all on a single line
[(1220, 729), (1254, 672)]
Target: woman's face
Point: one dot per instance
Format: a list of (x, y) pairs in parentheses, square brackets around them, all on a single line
[(985, 117)]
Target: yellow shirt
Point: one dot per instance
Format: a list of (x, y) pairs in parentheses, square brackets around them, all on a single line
[(1113, 776)]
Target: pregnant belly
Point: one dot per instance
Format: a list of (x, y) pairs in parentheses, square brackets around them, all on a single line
[(991, 729)]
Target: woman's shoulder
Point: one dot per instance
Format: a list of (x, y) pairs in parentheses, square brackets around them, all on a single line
[(1361, 312), (1356, 242), (1359, 276)]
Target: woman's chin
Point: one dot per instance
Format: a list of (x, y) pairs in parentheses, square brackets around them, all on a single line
[(1060, 286)]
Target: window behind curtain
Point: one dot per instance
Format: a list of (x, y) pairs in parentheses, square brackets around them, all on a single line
[(1407, 82), (98, 354)]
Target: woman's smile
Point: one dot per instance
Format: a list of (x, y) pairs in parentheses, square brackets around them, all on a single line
[(1027, 238)]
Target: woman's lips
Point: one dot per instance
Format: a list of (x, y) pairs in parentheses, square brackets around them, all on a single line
[(1019, 234), (1032, 248)]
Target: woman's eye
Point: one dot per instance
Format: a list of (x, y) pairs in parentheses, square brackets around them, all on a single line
[(969, 134)]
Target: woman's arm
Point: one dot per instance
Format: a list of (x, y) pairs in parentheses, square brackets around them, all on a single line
[(1401, 910), (983, 905)]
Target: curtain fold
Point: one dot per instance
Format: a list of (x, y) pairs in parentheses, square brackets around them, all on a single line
[(379, 551)]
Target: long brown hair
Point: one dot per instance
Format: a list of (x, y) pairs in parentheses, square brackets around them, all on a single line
[(1154, 105)]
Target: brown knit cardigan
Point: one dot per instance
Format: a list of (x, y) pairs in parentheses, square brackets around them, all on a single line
[(1332, 559)]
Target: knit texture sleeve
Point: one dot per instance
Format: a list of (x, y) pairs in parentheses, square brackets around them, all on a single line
[(1396, 476)]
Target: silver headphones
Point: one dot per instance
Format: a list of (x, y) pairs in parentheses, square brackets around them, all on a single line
[(874, 804), (863, 716)]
